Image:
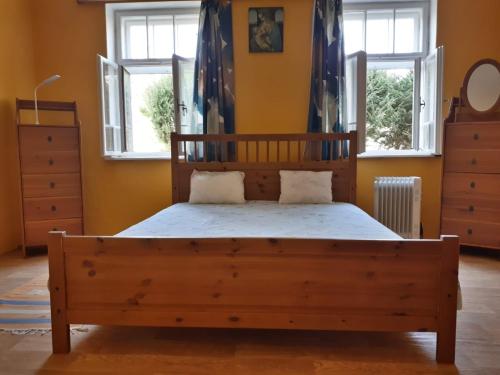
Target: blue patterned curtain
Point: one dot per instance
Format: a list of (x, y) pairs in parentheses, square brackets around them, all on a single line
[(214, 75), (327, 103)]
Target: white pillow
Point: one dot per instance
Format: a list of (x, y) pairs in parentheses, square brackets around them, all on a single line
[(306, 187), (217, 187)]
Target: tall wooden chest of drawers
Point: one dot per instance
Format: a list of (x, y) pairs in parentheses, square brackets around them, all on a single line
[(471, 183), (470, 199), (50, 168)]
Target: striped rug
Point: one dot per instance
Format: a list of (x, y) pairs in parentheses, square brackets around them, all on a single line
[(25, 309), (27, 306)]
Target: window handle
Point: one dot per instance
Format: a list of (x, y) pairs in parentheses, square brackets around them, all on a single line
[(183, 108), (422, 104)]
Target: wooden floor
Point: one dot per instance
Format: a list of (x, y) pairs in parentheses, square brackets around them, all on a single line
[(104, 350)]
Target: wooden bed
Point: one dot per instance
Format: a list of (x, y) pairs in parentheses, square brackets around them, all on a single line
[(312, 284)]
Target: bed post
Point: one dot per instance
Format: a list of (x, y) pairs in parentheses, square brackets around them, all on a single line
[(174, 161), (57, 286), (353, 165), (447, 305)]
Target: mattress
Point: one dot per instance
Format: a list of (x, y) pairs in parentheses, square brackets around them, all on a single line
[(262, 219)]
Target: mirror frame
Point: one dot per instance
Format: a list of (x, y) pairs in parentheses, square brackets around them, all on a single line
[(471, 70)]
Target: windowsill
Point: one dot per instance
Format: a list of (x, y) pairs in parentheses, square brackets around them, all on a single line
[(397, 154), (139, 156)]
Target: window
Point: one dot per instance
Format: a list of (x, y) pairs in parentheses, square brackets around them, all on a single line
[(136, 80), (403, 79)]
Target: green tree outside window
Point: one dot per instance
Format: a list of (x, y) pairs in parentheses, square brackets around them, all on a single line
[(159, 108), (389, 108)]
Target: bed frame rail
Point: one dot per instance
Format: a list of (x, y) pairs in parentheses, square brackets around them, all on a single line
[(376, 285)]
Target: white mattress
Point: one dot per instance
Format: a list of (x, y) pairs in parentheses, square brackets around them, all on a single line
[(261, 219)]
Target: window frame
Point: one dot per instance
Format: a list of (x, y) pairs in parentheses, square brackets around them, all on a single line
[(381, 5), (114, 15), (416, 57), (119, 14)]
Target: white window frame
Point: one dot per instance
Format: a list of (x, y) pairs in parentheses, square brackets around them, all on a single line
[(114, 13), (416, 57)]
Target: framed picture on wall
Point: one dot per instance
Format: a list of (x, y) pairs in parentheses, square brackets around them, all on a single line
[(265, 29)]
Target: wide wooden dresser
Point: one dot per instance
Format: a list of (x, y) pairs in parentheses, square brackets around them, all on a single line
[(471, 176), (51, 183)]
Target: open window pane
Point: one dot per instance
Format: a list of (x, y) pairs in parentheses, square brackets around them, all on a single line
[(109, 84), (432, 97), (127, 108), (380, 31), (390, 87), (160, 37), (185, 117), (152, 110), (356, 96), (134, 37), (186, 35), (408, 31), (354, 32)]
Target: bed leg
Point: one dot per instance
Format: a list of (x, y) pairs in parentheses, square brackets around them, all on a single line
[(447, 313), (57, 287)]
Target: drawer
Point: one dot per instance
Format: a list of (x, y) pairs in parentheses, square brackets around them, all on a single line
[(36, 232), (485, 186), (475, 209), (472, 232), (473, 136), (52, 208), (48, 138), (65, 185), (39, 162), (473, 161)]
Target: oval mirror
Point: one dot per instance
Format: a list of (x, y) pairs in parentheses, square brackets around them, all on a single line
[(482, 85)]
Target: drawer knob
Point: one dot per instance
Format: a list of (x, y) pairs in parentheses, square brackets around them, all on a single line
[(54, 229), (472, 185), (52, 185), (473, 161), (469, 231), (53, 208), (476, 136), (51, 162), (471, 208), (49, 138)]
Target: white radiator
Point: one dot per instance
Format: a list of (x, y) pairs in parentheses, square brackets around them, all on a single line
[(397, 203)]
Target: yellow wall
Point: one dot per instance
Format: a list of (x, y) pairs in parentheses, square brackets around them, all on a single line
[(16, 79), (67, 39), (271, 90), (470, 31)]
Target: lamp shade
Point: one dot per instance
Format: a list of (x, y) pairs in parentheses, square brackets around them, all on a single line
[(48, 81)]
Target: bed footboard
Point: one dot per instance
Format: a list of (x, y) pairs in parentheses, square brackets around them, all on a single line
[(407, 285)]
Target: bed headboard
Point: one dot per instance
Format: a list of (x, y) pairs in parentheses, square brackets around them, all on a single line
[(261, 157)]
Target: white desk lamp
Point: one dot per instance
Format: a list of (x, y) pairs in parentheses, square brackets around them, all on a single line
[(48, 81)]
